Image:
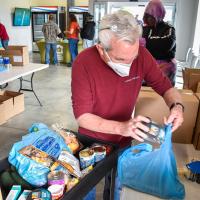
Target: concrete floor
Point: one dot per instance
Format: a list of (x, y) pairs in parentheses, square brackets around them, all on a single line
[(52, 86)]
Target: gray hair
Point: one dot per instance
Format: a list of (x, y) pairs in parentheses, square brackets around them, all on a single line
[(120, 24)]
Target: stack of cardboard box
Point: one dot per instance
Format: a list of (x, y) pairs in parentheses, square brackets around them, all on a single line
[(11, 104), (152, 105)]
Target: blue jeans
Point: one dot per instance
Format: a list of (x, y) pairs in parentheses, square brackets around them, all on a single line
[(48, 47), (4, 43), (73, 48)]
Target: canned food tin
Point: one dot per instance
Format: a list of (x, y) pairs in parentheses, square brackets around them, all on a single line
[(99, 153), (86, 158), (56, 191), (56, 177)]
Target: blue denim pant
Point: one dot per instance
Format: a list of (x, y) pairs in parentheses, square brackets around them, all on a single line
[(4, 43), (48, 47), (73, 48)]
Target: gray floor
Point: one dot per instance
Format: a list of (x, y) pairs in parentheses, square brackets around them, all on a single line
[(52, 86)]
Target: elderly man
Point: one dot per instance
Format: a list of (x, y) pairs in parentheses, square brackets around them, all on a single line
[(4, 38), (107, 78)]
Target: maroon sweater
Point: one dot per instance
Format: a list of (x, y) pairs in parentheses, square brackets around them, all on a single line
[(97, 89), (3, 33)]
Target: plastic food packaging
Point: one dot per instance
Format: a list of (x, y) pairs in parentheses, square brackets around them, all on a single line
[(156, 132)]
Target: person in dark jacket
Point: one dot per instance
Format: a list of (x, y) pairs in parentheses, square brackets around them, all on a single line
[(88, 31), (4, 38), (160, 38)]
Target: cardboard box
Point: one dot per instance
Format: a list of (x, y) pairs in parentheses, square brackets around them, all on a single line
[(17, 101), (191, 78), (2, 113), (152, 105), (18, 55), (196, 138), (8, 106), (198, 88)]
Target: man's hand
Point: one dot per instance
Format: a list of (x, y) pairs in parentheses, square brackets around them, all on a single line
[(135, 128), (175, 117)]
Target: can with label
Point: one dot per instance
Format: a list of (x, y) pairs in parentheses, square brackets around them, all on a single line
[(86, 158), (99, 153), (56, 177)]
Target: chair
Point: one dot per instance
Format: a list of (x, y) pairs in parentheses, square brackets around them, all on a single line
[(189, 60)]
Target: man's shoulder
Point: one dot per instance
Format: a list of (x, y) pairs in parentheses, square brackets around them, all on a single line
[(89, 52)]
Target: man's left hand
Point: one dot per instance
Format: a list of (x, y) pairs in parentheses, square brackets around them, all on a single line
[(175, 117)]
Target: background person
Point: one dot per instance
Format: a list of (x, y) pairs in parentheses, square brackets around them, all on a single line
[(73, 36), (88, 31), (105, 87), (51, 31), (160, 38), (4, 36)]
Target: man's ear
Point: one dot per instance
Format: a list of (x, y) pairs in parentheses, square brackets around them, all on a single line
[(100, 49)]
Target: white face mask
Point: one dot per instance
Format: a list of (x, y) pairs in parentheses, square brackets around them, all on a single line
[(121, 69)]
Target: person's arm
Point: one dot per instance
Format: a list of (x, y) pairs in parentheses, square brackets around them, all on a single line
[(174, 102), (131, 128)]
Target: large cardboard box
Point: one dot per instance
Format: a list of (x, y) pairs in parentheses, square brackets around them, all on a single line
[(152, 105), (18, 55), (7, 109), (191, 78), (17, 102), (2, 113), (196, 139)]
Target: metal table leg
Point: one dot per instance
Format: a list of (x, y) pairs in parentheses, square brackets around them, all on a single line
[(112, 185), (28, 90)]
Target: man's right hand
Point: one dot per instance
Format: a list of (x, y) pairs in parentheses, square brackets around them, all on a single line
[(135, 128)]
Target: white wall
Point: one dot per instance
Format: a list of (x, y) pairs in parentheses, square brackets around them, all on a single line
[(18, 35)]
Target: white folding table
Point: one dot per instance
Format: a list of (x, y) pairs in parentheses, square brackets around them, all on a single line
[(18, 72)]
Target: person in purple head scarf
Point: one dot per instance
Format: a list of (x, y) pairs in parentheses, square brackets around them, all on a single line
[(160, 38)]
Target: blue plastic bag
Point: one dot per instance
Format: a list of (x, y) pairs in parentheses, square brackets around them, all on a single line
[(151, 171), (44, 139)]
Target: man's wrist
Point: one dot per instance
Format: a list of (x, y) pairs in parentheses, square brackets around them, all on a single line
[(177, 104)]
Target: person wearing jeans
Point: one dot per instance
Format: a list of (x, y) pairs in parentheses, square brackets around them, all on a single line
[(48, 47), (51, 31), (73, 37)]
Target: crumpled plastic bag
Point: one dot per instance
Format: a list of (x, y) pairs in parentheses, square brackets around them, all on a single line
[(43, 138), (151, 171)]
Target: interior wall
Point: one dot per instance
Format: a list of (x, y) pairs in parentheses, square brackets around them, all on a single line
[(19, 35), (81, 2), (49, 3)]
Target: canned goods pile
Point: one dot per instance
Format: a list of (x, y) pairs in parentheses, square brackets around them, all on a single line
[(4, 64)]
